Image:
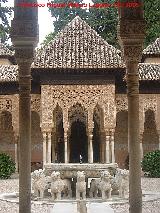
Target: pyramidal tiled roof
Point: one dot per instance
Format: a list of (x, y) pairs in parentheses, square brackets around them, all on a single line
[(78, 46), (8, 73), (149, 71), (153, 48), (4, 51)]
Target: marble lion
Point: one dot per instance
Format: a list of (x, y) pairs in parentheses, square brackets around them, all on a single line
[(59, 186), (40, 183), (80, 186)]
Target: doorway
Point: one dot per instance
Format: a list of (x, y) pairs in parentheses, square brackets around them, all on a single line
[(78, 142)]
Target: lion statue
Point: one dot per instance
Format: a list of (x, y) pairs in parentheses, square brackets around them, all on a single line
[(40, 183), (93, 192), (105, 185), (120, 183), (59, 187), (80, 186), (124, 184)]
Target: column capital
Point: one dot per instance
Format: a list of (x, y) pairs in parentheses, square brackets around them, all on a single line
[(46, 127), (90, 131), (24, 55), (130, 28), (132, 52)]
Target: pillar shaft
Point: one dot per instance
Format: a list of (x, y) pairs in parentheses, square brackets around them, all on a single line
[(90, 143), (141, 145), (65, 147), (133, 134), (24, 137), (16, 156), (49, 148), (44, 148), (112, 148), (107, 153)]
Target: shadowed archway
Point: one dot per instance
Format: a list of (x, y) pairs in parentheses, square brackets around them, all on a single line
[(78, 142)]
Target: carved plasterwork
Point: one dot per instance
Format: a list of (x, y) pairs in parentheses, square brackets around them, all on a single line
[(150, 102), (10, 103), (5, 104), (121, 103), (77, 112), (36, 103), (88, 96), (132, 27)]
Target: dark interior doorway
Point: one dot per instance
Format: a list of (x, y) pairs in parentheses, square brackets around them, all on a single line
[(96, 143), (78, 143)]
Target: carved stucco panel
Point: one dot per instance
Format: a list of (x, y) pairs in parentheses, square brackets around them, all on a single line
[(150, 102), (146, 102), (121, 103), (10, 103), (47, 108), (66, 96), (36, 103)]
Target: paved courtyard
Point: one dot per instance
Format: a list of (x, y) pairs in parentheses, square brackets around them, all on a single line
[(148, 185)]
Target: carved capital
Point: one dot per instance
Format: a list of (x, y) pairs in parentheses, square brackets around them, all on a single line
[(132, 53), (24, 56), (26, 28), (131, 28), (46, 127), (24, 31)]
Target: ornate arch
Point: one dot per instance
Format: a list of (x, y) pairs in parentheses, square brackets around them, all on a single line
[(77, 113)]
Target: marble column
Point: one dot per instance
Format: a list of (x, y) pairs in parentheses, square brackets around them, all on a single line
[(44, 148), (65, 147), (49, 148), (24, 129), (131, 34), (107, 150), (54, 146), (24, 36), (141, 145), (90, 147), (102, 134), (158, 131), (16, 152), (112, 147)]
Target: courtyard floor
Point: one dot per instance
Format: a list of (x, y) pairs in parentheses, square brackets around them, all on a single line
[(148, 184)]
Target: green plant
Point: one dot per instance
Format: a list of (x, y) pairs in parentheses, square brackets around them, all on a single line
[(7, 166), (151, 164)]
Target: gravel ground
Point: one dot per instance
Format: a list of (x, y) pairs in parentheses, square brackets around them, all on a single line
[(148, 184)]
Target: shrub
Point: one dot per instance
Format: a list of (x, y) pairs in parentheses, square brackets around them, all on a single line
[(151, 164), (7, 166)]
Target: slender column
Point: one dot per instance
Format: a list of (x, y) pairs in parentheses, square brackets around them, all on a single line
[(24, 35), (158, 131), (16, 153), (141, 145), (65, 148), (107, 148), (103, 146), (90, 143), (53, 147), (49, 148), (24, 132), (131, 33), (112, 147), (44, 148)]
